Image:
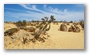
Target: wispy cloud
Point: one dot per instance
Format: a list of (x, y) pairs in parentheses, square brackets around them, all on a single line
[(45, 6), (59, 15), (33, 7)]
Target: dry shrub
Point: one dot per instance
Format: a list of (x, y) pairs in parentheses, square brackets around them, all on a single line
[(21, 23), (11, 31), (82, 23), (30, 29)]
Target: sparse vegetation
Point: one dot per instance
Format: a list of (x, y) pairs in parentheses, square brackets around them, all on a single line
[(30, 29), (71, 22), (11, 31), (21, 23), (40, 31), (82, 23), (43, 26)]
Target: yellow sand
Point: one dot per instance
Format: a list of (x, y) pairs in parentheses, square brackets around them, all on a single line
[(57, 40)]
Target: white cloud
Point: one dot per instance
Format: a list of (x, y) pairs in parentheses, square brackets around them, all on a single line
[(57, 11), (45, 6), (25, 6), (65, 10), (54, 10), (33, 7)]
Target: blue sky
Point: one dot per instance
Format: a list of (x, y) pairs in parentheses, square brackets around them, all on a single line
[(68, 12)]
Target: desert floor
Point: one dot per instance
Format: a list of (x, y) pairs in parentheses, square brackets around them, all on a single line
[(57, 40)]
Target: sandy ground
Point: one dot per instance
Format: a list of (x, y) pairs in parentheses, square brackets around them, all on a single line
[(57, 40)]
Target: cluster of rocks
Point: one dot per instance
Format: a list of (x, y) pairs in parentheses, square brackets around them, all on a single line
[(72, 28)]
